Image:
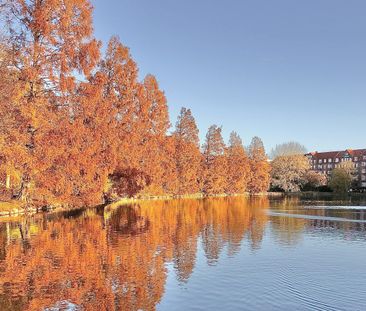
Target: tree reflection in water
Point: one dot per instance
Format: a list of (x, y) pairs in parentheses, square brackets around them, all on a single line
[(115, 258)]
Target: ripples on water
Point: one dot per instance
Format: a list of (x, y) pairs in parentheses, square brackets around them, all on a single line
[(214, 254)]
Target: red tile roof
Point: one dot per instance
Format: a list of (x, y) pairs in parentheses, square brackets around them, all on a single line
[(338, 154)]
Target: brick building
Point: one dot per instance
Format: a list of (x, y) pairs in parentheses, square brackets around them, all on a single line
[(325, 162)]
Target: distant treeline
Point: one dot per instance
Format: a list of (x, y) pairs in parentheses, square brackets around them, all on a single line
[(78, 127)]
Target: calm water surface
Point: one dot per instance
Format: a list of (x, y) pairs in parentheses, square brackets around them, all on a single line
[(214, 254)]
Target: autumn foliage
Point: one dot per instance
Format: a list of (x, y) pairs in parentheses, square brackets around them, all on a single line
[(187, 155), (215, 162), (259, 167), (238, 166), (78, 127)]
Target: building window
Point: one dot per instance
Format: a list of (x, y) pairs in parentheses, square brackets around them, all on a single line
[(337, 160), (364, 171), (320, 161), (330, 160), (329, 165), (363, 177), (363, 184), (325, 160), (364, 157), (355, 159), (363, 164)]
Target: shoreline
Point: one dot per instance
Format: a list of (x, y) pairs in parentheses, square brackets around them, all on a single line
[(15, 208)]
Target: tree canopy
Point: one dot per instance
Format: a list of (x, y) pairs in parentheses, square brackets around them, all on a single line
[(342, 177), (289, 172), (288, 149), (78, 127)]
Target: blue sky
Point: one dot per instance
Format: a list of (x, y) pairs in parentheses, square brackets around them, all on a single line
[(282, 70)]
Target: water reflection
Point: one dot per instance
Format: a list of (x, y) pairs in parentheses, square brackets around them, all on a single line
[(292, 217), (116, 258)]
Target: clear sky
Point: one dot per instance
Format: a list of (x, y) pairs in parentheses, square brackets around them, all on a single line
[(279, 69)]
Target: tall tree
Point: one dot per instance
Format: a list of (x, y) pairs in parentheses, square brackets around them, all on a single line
[(120, 89), (188, 158), (50, 41), (289, 173), (215, 162), (145, 152), (11, 143), (238, 166), (259, 166), (151, 128)]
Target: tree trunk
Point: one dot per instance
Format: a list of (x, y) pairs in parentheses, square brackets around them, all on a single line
[(7, 181)]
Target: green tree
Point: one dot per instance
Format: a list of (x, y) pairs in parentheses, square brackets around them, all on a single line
[(342, 177)]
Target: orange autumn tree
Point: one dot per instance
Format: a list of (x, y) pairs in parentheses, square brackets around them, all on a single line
[(238, 169), (121, 90), (10, 89), (259, 167), (188, 157), (50, 41), (215, 162), (82, 148), (93, 135), (18, 108), (145, 153), (78, 129), (151, 127)]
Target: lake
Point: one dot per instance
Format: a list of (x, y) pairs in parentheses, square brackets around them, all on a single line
[(232, 253)]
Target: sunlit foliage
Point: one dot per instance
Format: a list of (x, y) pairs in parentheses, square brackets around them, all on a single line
[(289, 172), (79, 128), (342, 177), (260, 168)]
